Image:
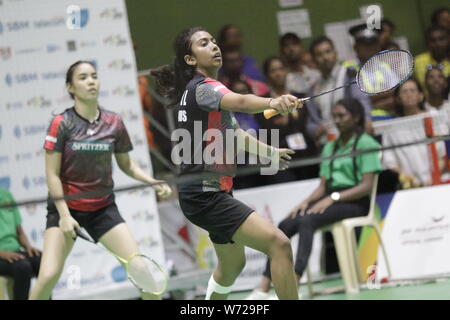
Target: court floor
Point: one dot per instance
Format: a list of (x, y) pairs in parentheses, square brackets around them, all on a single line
[(436, 290)]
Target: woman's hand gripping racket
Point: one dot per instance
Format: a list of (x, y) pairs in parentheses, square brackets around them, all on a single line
[(381, 73), (144, 273)]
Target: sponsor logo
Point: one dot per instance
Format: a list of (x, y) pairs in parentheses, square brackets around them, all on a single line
[(53, 48), (37, 235), (49, 23), (14, 105), (91, 146), (71, 45), (124, 91), (148, 242), (53, 75), (27, 50), (30, 130), (119, 65), (4, 159), (5, 53), (119, 274), (78, 17), (21, 78), (5, 182), (111, 13), (14, 26), (115, 40), (143, 215), (24, 156), (129, 116), (33, 182), (137, 140), (39, 101), (88, 44)]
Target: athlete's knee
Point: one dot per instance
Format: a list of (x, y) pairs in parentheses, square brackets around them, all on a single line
[(227, 273), (280, 244)]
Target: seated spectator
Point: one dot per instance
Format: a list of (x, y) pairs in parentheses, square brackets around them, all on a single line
[(18, 258), (345, 185), (233, 63), (333, 74), (436, 85), (438, 43), (441, 17), (290, 127), (413, 164), (300, 77), (230, 38)]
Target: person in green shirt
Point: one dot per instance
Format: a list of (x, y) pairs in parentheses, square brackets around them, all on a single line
[(18, 258), (345, 185)]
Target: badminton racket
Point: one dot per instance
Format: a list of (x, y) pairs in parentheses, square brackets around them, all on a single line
[(381, 73), (143, 272)]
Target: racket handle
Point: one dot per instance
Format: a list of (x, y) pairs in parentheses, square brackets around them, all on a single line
[(82, 235), (269, 113)]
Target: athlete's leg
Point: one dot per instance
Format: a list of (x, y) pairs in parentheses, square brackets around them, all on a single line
[(56, 249)]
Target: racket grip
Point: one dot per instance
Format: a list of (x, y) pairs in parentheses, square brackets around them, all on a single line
[(269, 113), (82, 235)]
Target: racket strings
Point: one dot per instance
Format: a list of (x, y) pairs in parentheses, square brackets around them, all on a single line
[(146, 274), (385, 71)]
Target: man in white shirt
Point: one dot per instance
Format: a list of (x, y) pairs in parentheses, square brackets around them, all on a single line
[(320, 125), (300, 78)]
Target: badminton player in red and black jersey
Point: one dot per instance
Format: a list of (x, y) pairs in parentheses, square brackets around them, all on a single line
[(79, 146), (204, 103)]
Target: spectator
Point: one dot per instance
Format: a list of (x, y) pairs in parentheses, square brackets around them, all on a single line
[(300, 77), (441, 17), (290, 127), (233, 63), (413, 164), (18, 258), (387, 30), (344, 189), (367, 43), (436, 85), (437, 39), (333, 74), (230, 38)]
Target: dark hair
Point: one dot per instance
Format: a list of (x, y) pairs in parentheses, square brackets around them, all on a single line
[(388, 22), (71, 71), (171, 79), (290, 36), (356, 109), (317, 41), (436, 13), (268, 62), (222, 35), (432, 29), (398, 106)]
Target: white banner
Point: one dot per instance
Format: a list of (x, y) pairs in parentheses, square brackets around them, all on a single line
[(416, 232), (39, 40)]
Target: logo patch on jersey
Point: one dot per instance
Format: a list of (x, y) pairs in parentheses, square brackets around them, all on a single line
[(91, 146), (182, 116)]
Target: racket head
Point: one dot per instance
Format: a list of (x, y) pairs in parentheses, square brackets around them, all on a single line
[(146, 274), (385, 71)]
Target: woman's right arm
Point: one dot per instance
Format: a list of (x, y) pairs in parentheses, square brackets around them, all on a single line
[(249, 103), (52, 172)]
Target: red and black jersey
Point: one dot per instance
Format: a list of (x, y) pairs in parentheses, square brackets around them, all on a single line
[(200, 115), (87, 149)]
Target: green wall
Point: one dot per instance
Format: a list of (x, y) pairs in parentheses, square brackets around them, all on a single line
[(155, 23)]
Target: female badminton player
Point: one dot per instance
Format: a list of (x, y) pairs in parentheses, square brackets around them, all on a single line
[(79, 146), (208, 203), (345, 185)]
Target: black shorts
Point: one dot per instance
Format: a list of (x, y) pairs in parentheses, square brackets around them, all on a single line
[(96, 223), (217, 212)]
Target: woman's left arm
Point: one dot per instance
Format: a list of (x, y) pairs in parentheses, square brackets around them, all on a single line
[(131, 169)]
